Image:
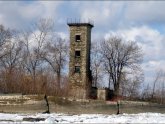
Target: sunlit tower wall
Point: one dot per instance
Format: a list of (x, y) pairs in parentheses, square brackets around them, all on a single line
[(79, 63)]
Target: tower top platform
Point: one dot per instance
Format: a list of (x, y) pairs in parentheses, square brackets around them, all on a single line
[(76, 22)]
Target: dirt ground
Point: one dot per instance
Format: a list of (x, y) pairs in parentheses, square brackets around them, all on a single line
[(37, 104)]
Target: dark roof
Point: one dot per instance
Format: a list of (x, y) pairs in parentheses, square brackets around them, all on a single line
[(80, 24)]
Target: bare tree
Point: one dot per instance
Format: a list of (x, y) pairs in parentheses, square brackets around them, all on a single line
[(96, 64), (9, 58), (34, 61), (120, 57), (158, 90), (10, 64), (5, 36), (156, 80), (146, 92), (34, 41), (56, 57), (130, 86)]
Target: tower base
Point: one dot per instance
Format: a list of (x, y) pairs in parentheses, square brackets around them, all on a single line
[(79, 93)]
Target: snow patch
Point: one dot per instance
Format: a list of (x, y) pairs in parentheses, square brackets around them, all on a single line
[(85, 118)]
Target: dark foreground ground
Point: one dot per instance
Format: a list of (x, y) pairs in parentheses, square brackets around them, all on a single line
[(37, 104)]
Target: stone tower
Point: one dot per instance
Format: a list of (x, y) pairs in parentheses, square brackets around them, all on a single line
[(79, 64)]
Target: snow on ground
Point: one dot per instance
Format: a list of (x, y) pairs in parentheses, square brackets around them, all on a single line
[(84, 118)]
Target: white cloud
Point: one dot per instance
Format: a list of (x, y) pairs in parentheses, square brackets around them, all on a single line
[(102, 13), (1, 17), (50, 8), (16, 14), (149, 39), (106, 15), (152, 66), (112, 14), (145, 11), (63, 35), (30, 11)]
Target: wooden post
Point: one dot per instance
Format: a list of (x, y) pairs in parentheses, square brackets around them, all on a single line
[(47, 104), (118, 107)]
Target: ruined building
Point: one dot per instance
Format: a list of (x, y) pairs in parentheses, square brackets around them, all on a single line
[(79, 64)]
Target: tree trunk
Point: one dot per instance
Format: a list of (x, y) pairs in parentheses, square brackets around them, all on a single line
[(34, 89), (109, 82), (47, 104), (58, 80), (116, 90)]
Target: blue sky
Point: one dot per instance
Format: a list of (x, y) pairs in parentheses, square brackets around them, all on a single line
[(141, 21)]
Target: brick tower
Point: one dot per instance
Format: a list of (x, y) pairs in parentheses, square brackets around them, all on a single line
[(79, 64)]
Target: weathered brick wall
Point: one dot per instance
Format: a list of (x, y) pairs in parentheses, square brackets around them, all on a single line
[(80, 83), (101, 94)]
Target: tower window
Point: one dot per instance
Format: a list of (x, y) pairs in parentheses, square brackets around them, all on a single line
[(77, 54), (77, 69), (77, 38)]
